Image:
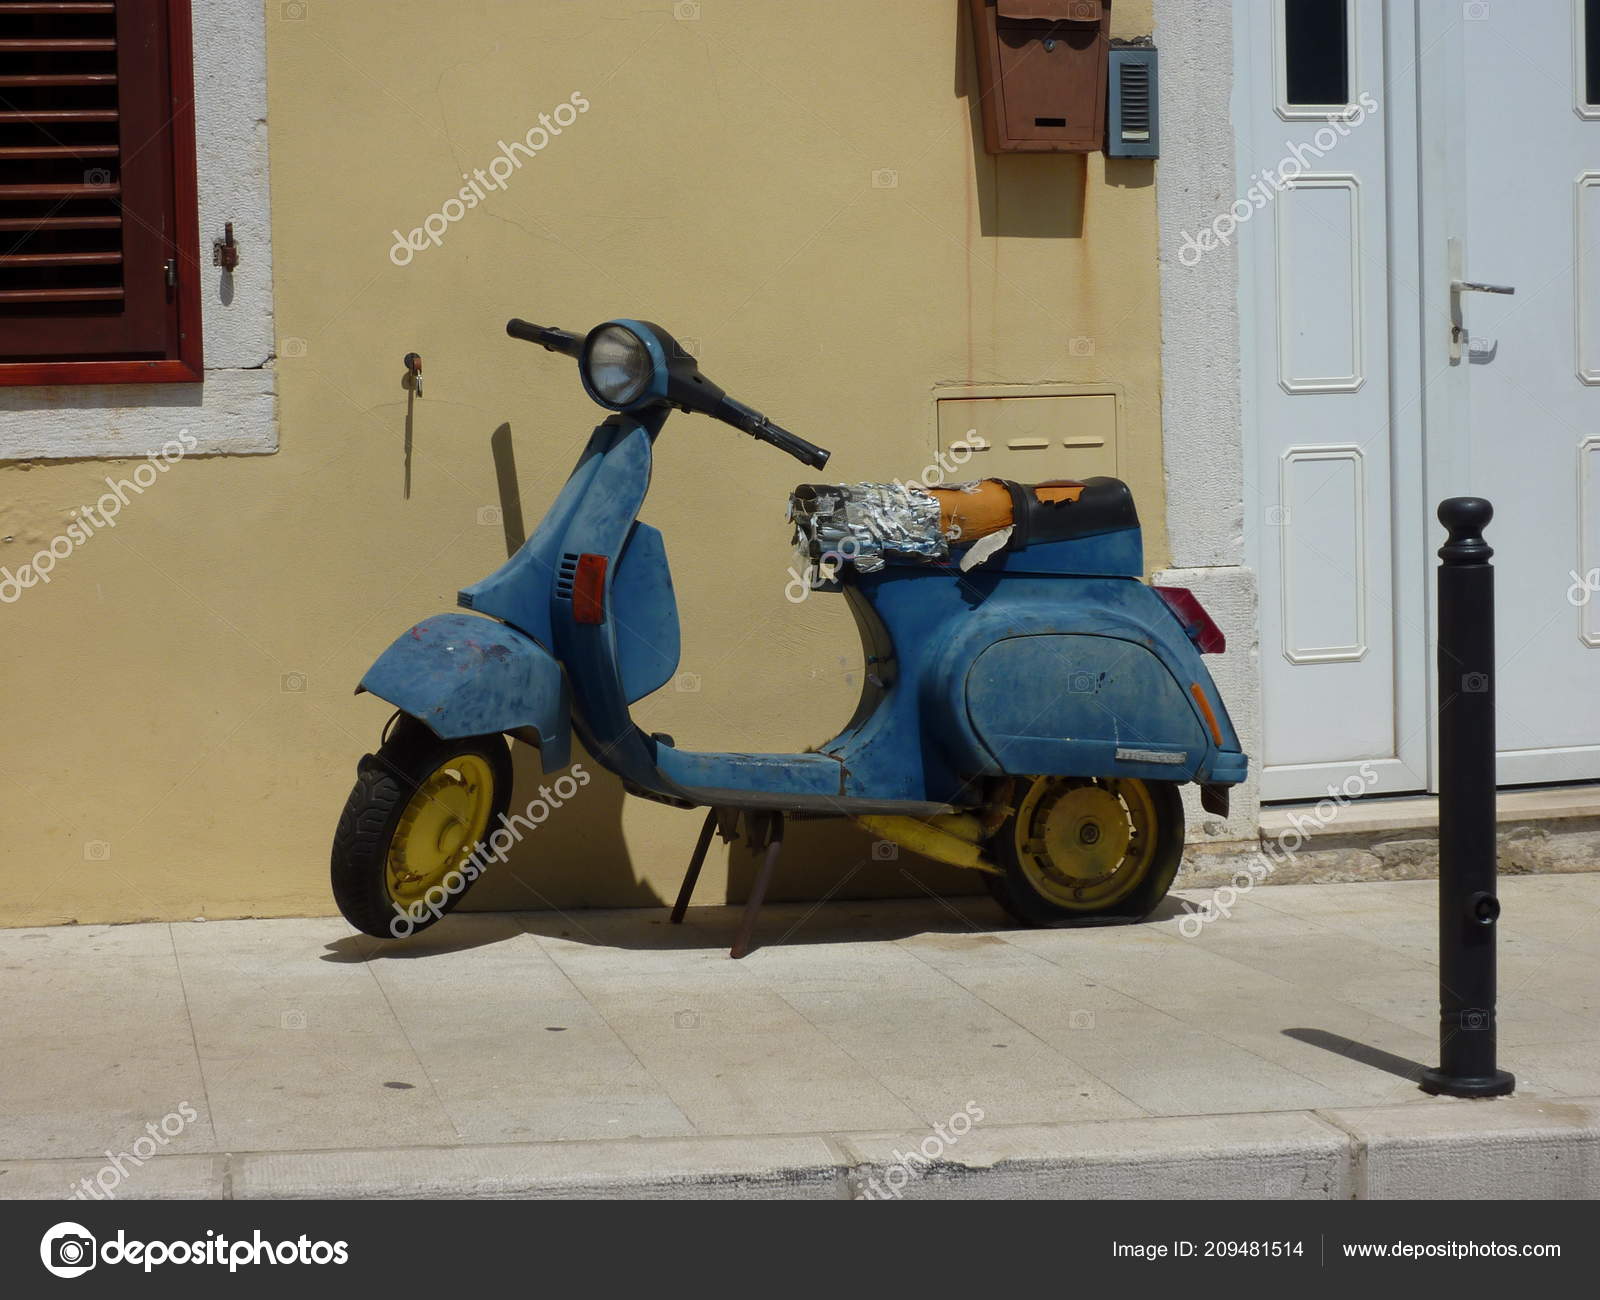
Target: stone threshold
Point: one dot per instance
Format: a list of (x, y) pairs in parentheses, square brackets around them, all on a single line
[(1552, 829)]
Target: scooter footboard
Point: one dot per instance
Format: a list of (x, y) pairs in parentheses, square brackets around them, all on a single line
[(1094, 705), (464, 675)]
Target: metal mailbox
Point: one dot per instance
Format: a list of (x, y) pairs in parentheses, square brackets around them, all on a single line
[(1042, 73)]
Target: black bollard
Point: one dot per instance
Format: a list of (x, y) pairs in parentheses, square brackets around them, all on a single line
[(1468, 908)]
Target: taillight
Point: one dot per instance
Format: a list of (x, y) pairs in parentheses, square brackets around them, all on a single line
[(1197, 624), (589, 590)]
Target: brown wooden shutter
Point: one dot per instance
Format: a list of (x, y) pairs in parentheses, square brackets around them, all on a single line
[(99, 274)]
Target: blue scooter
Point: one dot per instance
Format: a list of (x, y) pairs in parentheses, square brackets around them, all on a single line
[(1030, 718)]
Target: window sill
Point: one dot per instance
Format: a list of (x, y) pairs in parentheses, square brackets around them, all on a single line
[(41, 373)]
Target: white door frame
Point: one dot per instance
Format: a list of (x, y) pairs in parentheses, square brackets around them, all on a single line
[(1441, 99), (1410, 288)]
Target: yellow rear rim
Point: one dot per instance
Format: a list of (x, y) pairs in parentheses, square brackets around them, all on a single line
[(1086, 845), (440, 826)]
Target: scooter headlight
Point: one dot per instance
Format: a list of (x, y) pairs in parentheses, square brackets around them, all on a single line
[(617, 365)]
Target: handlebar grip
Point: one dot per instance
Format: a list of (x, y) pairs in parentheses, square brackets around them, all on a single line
[(547, 337), (757, 425), (807, 453)]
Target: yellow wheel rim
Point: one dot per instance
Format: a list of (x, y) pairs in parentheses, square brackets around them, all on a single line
[(1086, 845), (440, 826)]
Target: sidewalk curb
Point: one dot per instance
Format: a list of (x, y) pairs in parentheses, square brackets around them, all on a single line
[(1515, 1148)]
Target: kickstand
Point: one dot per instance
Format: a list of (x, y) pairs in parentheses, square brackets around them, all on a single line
[(695, 863), (764, 830)]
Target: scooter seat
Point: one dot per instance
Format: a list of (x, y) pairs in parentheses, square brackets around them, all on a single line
[(1036, 512), (1104, 506), (868, 525)]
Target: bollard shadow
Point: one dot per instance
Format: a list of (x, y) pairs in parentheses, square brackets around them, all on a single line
[(1363, 1054)]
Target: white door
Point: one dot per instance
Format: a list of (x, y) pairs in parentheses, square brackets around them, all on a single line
[(1512, 91), (1475, 158), (1326, 126)]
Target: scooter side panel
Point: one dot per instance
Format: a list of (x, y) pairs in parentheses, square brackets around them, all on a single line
[(1126, 611), (920, 732), (469, 676), (1083, 705)]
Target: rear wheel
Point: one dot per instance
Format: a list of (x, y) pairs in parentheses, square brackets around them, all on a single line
[(1080, 850), (419, 809)]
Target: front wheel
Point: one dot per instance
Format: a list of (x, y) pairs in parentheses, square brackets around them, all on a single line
[(1080, 850), (403, 854)]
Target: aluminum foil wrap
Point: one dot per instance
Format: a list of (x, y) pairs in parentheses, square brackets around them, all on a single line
[(865, 524)]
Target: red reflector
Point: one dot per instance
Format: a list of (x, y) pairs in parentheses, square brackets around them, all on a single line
[(589, 590), (1205, 634)]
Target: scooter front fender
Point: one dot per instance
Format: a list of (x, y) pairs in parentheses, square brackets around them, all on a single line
[(464, 675)]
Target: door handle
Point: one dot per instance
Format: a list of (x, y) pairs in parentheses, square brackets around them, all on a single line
[(1459, 286)]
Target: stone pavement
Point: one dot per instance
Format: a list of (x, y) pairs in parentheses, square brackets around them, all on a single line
[(915, 1049)]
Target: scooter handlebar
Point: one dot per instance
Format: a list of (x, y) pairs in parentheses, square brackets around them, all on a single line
[(757, 425), (547, 337), (726, 409)]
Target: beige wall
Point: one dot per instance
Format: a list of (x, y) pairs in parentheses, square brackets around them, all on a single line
[(720, 183)]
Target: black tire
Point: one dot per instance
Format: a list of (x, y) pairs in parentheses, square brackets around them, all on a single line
[(385, 784), (1018, 891)]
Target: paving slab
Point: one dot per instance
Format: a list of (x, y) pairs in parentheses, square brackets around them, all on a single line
[(512, 1049), (96, 1041), (298, 1050), (1107, 1034)]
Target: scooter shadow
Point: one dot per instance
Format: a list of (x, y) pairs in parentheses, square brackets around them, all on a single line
[(712, 928)]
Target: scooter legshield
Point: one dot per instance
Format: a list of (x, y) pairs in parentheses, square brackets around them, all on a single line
[(464, 675)]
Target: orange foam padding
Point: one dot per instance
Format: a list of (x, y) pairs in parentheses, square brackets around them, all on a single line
[(967, 516)]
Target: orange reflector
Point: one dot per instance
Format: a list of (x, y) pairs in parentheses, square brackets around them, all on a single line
[(589, 590), (1199, 694)]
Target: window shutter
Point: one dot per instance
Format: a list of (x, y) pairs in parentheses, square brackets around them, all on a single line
[(99, 277)]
